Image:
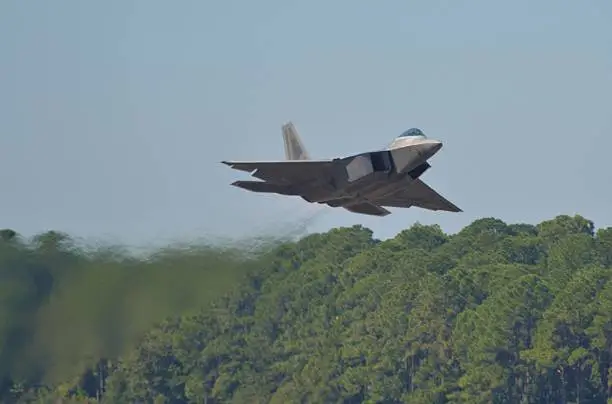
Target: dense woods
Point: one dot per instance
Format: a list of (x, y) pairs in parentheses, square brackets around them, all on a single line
[(497, 313)]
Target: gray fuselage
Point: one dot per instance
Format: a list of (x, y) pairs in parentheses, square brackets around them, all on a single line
[(371, 175)]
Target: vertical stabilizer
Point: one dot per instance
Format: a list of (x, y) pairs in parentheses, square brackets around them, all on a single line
[(294, 149)]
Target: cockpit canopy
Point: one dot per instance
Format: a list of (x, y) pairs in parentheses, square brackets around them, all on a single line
[(413, 135), (413, 132)]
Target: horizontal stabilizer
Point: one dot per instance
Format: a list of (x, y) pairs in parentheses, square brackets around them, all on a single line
[(259, 186), (367, 208)]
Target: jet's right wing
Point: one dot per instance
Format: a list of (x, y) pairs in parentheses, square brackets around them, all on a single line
[(287, 171), (419, 194)]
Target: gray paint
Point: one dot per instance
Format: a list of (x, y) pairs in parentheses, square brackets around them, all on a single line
[(365, 183)]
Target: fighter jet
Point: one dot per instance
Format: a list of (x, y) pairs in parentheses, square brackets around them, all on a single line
[(364, 183)]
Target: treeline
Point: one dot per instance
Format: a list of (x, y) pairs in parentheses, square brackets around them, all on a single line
[(497, 313), (66, 309)]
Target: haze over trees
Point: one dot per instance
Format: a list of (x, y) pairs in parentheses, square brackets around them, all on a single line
[(497, 313)]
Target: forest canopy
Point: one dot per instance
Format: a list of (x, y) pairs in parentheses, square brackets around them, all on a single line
[(496, 313)]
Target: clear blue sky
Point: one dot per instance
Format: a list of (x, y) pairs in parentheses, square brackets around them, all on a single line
[(114, 115)]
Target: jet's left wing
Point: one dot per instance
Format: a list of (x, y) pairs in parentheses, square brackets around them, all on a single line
[(286, 171), (419, 194)]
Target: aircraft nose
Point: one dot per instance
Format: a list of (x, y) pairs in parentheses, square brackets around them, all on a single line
[(430, 148)]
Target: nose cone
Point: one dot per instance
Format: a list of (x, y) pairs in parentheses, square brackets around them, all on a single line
[(410, 156), (429, 148)]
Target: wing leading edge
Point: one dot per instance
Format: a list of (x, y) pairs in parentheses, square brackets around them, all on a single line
[(287, 171)]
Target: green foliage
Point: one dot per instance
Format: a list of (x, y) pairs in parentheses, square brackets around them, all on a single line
[(497, 313), (66, 310)]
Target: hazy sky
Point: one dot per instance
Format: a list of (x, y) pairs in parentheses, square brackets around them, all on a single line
[(114, 115)]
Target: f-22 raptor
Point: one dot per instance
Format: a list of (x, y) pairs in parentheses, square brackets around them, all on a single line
[(363, 183)]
